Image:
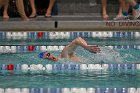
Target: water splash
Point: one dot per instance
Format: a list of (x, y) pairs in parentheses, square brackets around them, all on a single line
[(107, 55)]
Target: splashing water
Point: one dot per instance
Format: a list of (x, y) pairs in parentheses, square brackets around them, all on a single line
[(107, 55)]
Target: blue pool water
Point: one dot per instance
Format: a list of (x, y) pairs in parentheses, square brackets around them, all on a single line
[(119, 49), (107, 56)]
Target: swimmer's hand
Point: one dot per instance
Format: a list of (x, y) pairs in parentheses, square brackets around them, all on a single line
[(93, 48)]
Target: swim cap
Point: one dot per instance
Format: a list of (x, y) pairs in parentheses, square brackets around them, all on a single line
[(41, 54)]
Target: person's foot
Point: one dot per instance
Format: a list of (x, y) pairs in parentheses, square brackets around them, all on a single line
[(137, 13), (33, 15), (105, 17), (5, 17), (121, 17), (48, 14), (25, 19)]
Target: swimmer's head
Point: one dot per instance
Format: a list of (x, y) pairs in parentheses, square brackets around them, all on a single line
[(47, 55)]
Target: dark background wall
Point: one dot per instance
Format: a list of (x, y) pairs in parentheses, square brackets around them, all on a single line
[(69, 7), (86, 6)]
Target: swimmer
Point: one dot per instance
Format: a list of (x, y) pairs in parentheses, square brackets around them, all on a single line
[(68, 51)]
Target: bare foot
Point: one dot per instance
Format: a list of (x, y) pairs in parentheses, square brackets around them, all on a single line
[(33, 15), (105, 17), (133, 13), (5, 17), (48, 14), (25, 19), (119, 17)]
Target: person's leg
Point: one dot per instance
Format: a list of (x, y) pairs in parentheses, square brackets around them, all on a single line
[(132, 2), (104, 12), (2, 3), (5, 12), (20, 7), (33, 14), (120, 15), (133, 12), (136, 8), (124, 9), (49, 10)]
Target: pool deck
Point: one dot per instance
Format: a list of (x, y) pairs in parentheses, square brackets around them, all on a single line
[(68, 23)]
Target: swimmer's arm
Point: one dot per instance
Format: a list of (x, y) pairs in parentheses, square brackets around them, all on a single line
[(81, 42), (92, 48)]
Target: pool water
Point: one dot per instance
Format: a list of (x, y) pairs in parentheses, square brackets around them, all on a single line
[(70, 80), (125, 51), (107, 56)]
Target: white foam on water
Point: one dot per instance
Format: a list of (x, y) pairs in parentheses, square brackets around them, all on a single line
[(129, 57), (107, 55)]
